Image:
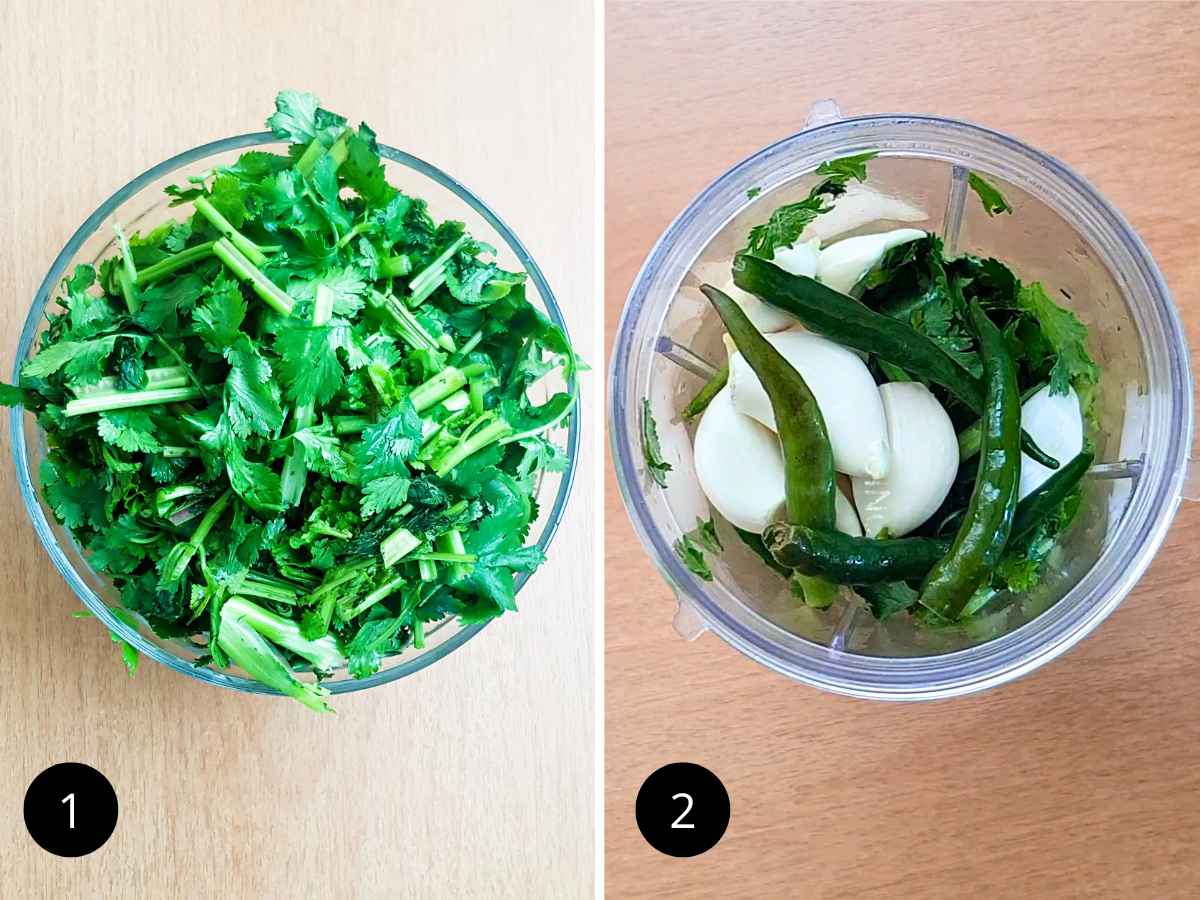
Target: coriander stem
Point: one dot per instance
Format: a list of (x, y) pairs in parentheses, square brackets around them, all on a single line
[(159, 377), (482, 438), (322, 653), (177, 452), (340, 149), (392, 266), (475, 396), (431, 277), (315, 150), (380, 593), (350, 424), (353, 233), (407, 327), (330, 531), (128, 291), (127, 277), (438, 388), (443, 557), (210, 519), (183, 366), (129, 399), (471, 344), (255, 655), (397, 545), (251, 250), (452, 543), (426, 567), (271, 294), (268, 589), (173, 263), (308, 159), (335, 578)]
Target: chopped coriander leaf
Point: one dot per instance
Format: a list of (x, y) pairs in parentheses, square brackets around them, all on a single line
[(788, 222), (692, 546), (847, 167), (993, 201), (295, 426), (1066, 337), (651, 449)]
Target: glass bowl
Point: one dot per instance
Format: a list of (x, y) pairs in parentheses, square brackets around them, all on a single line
[(141, 205), (1062, 233)]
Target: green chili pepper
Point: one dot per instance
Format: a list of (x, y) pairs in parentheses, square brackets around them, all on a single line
[(852, 560), (705, 395), (968, 440), (807, 456), (985, 530), (861, 561), (1045, 501), (853, 324)]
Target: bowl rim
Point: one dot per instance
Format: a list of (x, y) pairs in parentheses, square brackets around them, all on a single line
[(37, 515), (1010, 658)]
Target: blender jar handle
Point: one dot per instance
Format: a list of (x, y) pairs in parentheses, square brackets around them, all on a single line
[(1191, 480), (822, 113), (688, 623)]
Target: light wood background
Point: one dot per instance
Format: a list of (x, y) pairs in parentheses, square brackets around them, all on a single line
[(1080, 780), (473, 778)]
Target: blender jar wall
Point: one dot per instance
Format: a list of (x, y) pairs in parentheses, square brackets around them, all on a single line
[(1136, 336)]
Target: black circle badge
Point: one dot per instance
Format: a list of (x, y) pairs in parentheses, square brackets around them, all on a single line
[(682, 809), (70, 809)]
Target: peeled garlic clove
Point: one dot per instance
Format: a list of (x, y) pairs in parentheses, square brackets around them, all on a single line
[(739, 465), (842, 264), (845, 392), (924, 462), (799, 259), (861, 205), (763, 316), (846, 519), (1055, 423)]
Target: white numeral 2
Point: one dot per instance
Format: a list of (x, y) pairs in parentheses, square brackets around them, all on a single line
[(679, 823)]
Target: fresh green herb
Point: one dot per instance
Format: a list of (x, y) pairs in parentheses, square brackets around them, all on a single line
[(786, 223), (886, 599), (753, 192), (993, 201), (129, 655), (692, 546), (847, 167), (294, 425), (1066, 337), (651, 449)]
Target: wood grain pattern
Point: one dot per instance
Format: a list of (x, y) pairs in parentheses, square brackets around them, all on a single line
[(473, 778), (1080, 780)]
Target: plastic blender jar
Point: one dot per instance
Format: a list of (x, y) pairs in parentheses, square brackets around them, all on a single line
[(1061, 232)]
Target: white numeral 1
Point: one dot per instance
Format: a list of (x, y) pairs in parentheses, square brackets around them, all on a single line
[(70, 801), (679, 823)]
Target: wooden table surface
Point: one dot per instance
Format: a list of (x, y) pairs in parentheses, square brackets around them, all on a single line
[(473, 778), (1082, 779)]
